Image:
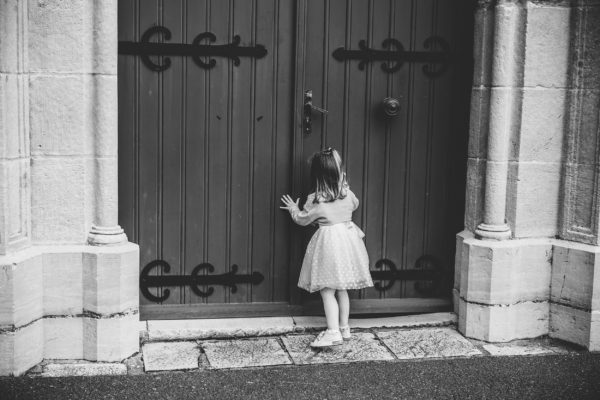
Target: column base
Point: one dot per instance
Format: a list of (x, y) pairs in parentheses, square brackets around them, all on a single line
[(106, 236), (492, 232)]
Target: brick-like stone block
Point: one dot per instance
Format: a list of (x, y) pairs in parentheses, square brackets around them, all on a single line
[(60, 35), (110, 339), (111, 278), (57, 200), (21, 349), (576, 275), (21, 289), (570, 324), (63, 282), (508, 49), (59, 114), (483, 46), (542, 125), (14, 117), (479, 122), (14, 200), (63, 338), (461, 255), (503, 323), (73, 36), (505, 272), (536, 191), (475, 191), (13, 25), (595, 332), (547, 46), (586, 31)]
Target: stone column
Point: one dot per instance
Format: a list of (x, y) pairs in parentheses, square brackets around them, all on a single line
[(105, 229), (506, 63), (15, 181)]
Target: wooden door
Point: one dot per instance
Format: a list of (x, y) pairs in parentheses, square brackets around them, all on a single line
[(205, 147), (211, 134), (407, 168)]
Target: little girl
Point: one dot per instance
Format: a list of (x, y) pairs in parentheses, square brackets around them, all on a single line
[(336, 258)]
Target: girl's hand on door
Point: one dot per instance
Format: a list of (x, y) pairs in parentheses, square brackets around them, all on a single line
[(289, 203)]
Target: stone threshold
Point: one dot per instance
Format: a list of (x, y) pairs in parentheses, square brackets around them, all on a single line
[(228, 328)]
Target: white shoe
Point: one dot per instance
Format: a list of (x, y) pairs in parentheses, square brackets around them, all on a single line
[(328, 338), (345, 331)]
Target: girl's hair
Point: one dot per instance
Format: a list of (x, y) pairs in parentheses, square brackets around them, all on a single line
[(327, 176)]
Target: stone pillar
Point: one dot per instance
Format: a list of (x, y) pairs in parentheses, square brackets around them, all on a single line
[(105, 229), (15, 181), (505, 77), (63, 295), (534, 124)]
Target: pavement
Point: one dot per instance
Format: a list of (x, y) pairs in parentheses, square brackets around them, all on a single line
[(421, 356)]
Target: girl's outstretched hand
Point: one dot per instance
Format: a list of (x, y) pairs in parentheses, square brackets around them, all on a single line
[(289, 203)]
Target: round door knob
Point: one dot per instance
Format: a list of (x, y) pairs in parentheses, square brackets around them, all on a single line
[(391, 107)]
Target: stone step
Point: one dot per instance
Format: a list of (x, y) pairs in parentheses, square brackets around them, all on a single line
[(225, 328)]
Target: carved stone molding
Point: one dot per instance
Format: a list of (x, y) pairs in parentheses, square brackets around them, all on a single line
[(581, 174)]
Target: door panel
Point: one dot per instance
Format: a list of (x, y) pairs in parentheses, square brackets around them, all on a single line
[(401, 168), (204, 152)]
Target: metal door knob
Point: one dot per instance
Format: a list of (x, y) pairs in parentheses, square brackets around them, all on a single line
[(391, 107)]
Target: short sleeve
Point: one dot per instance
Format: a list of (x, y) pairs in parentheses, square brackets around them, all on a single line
[(354, 199)]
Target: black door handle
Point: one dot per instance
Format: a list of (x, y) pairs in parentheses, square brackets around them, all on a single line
[(308, 108)]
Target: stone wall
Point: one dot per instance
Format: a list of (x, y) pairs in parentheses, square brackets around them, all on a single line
[(68, 276), (537, 279)]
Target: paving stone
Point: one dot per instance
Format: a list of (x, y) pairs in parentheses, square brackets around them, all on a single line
[(245, 353), (427, 343), (84, 369), (364, 346), (167, 356), (522, 349), (134, 364), (218, 328)]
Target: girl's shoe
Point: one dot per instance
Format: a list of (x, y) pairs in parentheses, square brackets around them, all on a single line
[(328, 338), (345, 331)]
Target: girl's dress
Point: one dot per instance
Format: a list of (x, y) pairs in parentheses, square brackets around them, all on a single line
[(336, 256)]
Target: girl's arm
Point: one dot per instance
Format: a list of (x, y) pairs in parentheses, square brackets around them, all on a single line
[(301, 217)]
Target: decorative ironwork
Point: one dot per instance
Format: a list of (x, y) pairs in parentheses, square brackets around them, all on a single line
[(427, 272), (194, 281), (144, 48), (436, 61)]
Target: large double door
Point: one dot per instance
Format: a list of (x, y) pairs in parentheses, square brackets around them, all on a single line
[(214, 127)]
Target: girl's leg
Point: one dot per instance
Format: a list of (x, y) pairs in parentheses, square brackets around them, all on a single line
[(330, 305), (344, 306)]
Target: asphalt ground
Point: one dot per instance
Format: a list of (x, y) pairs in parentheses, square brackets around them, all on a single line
[(573, 376)]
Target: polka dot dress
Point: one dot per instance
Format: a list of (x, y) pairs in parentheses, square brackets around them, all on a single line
[(335, 258)]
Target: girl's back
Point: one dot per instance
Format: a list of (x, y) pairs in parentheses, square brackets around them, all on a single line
[(332, 212)]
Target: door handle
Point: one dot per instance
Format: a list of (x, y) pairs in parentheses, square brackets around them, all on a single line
[(308, 108)]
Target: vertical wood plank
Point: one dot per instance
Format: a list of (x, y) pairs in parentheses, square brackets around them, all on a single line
[(242, 138), (356, 81), (149, 163), (396, 148), (172, 141), (219, 172), (196, 149), (127, 70), (283, 143)]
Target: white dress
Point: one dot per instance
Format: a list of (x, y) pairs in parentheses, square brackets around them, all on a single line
[(336, 256)]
